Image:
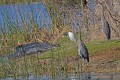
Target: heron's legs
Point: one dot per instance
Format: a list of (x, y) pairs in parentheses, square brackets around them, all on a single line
[(81, 66)]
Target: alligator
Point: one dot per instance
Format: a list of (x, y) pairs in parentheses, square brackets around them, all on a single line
[(31, 48)]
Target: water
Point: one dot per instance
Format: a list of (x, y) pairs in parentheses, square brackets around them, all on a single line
[(13, 15), (87, 76)]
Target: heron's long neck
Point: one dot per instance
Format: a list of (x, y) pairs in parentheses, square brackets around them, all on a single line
[(79, 35)]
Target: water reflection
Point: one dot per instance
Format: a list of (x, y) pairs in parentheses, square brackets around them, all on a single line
[(79, 76), (15, 14)]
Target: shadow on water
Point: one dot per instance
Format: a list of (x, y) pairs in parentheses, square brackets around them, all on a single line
[(85, 76)]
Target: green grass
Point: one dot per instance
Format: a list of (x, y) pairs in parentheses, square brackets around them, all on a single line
[(52, 61), (49, 62), (95, 46), (68, 48)]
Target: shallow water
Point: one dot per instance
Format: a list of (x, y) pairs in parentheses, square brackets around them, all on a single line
[(87, 76), (15, 13)]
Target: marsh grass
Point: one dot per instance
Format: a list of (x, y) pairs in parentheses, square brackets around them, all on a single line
[(54, 62), (32, 64)]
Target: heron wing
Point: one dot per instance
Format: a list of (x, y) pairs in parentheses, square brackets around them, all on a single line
[(84, 52)]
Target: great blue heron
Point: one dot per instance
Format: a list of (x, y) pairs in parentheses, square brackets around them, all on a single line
[(82, 49), (105, 25)]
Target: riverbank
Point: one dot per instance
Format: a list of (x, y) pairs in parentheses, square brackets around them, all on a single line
[(104, 58)]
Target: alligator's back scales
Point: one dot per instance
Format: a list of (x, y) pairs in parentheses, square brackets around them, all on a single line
[(27, 49)]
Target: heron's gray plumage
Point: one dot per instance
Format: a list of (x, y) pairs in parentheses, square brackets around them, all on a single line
[(105, 25), (83, 51)]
